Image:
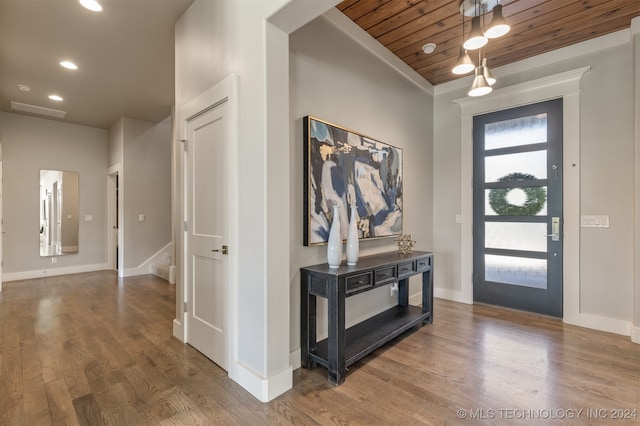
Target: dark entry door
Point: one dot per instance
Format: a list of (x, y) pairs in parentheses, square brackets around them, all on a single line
[(517, 198)]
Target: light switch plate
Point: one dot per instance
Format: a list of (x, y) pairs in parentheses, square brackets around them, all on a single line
[(594, 221)]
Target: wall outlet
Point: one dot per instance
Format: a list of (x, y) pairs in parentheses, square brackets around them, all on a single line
[(54, 260)]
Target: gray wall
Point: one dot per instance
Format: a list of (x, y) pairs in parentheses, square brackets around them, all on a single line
[(333, 78), (116, 142), (29, 145), (147, 189), (606, 181)]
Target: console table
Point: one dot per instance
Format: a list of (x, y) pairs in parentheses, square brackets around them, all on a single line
[(344, 347)]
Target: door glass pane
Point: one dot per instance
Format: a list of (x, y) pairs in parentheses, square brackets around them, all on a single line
[(498, 168), (516, 132), (527, 201), (520, 271), (516, 236)]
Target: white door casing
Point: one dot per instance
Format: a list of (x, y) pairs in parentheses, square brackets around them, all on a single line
[(207, 229)]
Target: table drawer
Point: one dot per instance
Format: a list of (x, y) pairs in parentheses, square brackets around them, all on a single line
[(358, 282), (384, 275), (405, 269), (423, 264)]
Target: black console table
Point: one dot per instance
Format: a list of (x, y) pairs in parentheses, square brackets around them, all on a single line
[(344, 347)]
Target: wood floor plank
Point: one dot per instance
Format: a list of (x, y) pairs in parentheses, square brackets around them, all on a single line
[(96, 349), (60, 404)]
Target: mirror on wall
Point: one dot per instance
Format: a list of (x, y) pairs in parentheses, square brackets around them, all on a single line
[(59, 220)]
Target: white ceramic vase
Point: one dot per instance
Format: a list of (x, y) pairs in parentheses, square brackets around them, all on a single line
[(353, 242), (334, 245)]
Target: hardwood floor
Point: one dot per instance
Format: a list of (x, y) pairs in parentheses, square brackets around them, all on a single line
[(93, 349)]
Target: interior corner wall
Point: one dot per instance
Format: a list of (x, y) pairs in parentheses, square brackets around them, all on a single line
[(333, 78), (606, 181), (30, 144), (215, 39), (116, 142), (146, 185)]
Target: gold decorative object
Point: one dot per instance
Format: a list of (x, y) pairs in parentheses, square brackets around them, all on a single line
[(405, 243)]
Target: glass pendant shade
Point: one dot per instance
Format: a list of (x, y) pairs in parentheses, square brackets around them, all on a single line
[(480, 87), (498, 26), (476, 37), (487, 73), (464, 64)]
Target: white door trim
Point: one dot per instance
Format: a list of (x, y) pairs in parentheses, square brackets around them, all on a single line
[(227, 90), (567, 86), (115, 170)]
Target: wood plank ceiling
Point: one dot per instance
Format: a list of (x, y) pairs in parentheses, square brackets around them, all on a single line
[(537, 26)]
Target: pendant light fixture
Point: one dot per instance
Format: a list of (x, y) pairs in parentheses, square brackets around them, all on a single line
[(498, 25), (487, 73), (464, 64), (480, 87), (477, 39)]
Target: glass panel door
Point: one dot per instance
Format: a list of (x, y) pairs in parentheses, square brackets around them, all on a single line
[(518, 208)]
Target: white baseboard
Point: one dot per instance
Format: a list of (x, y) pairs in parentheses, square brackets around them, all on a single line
[(295, 359), (453, 295), (596, 322), (178, 330), (635, 334), (51, 272), (145, 268), (415, 299), (264, 389)]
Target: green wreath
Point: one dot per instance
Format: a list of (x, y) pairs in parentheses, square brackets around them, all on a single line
[(536, 197)]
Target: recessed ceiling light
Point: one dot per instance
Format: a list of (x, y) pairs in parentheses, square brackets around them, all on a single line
[(92, 5), (55, 98), (429, 48), (69, 65), (24, 87)]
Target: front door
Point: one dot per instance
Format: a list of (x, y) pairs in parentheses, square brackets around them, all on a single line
[(517, 198), (206, 148)]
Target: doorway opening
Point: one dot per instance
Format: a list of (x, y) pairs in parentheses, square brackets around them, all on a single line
[(114, 220)]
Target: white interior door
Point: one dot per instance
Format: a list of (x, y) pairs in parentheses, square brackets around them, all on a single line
[(207, 229)]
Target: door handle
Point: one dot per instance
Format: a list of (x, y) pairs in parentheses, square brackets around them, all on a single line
[(224, 250), (555, 229)]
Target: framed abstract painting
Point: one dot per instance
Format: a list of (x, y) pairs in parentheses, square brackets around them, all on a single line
[(345, 168)]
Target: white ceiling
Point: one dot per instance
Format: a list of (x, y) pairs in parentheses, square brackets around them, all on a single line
[(125, 56)]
